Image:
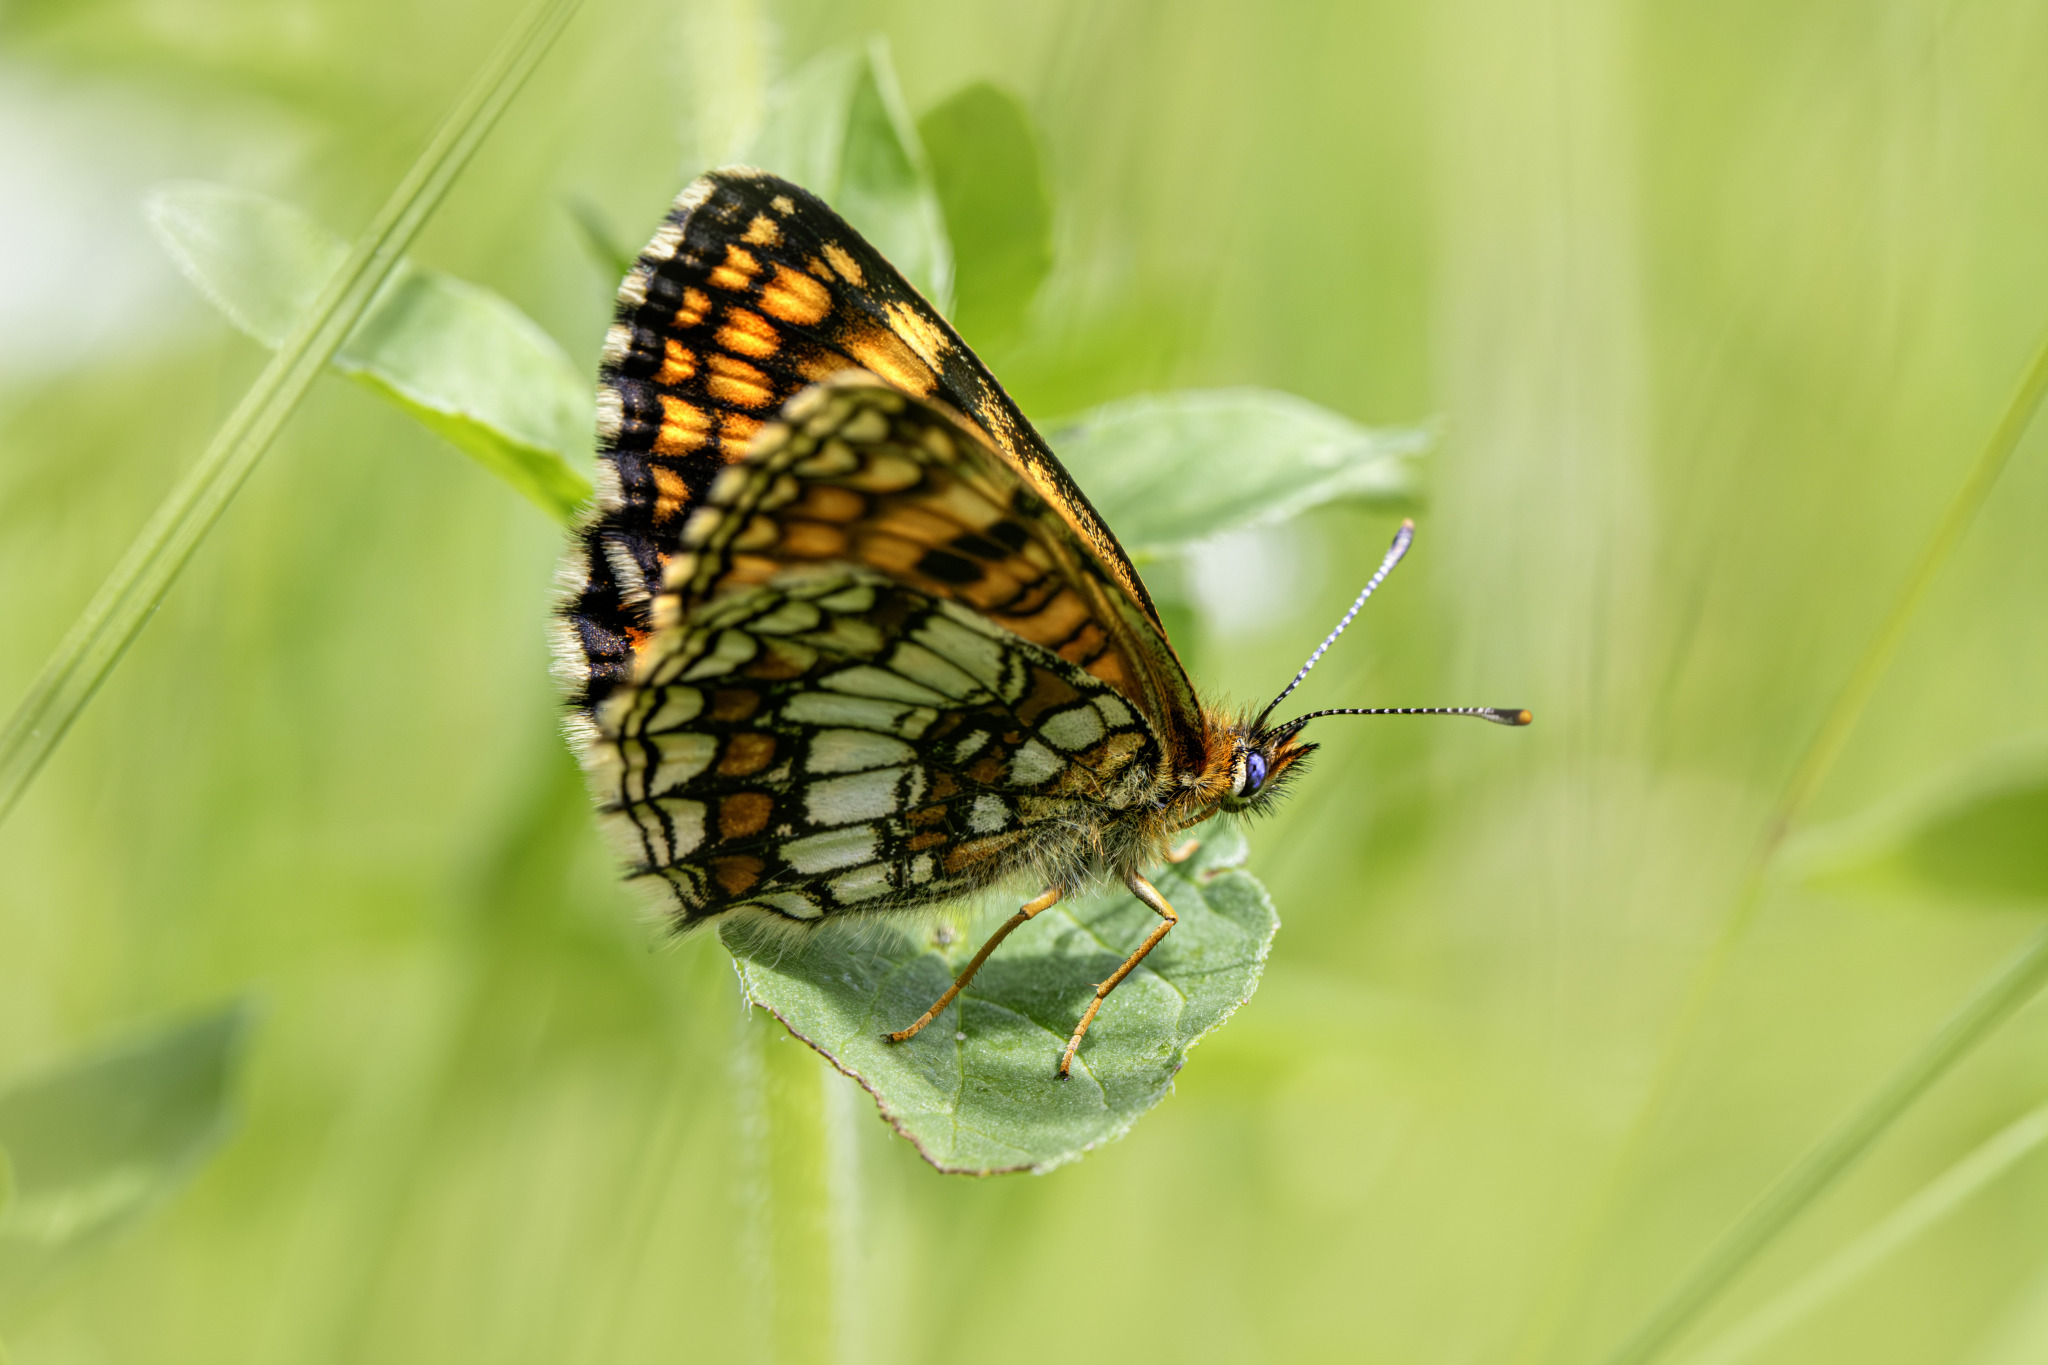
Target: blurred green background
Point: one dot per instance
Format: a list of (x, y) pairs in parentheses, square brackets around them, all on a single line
[(1716, 304)]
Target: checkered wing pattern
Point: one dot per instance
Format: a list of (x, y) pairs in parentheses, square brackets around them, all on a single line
[(875, 678), (752, 291)]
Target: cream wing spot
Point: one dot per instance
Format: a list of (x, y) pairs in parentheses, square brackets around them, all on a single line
[(790, 905), (852, 751), (679, 706), (855, 599), (979, 656), (988, 814), (1033, 763), (734, 648), (866, 884), (611, 414), (927, 669), (865, 680), (686, 825), (833, 850), (788, 619), (666, 240), (851, 800), (1075, 728), (675, 760), (866, 713), (1115, 712)]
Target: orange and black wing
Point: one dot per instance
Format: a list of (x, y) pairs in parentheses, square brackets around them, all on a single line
[(752, 290), (876, 679)]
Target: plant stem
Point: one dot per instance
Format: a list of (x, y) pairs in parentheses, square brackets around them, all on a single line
[(131, 594), (751, 1187), (1833, 1156), (1807, 774), (844, 1215), (1942, 1196)]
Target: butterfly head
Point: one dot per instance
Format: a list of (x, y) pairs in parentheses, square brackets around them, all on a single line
[(1262, 763)]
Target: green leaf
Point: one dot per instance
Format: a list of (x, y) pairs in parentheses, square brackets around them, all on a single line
[(1978, 833), (991, 184), (839, 128), (987, 1102), (96, 1142), (600, 241), (466, 363), (1170, 469)]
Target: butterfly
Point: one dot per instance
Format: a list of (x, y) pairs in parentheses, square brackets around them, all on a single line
[(841, 636)]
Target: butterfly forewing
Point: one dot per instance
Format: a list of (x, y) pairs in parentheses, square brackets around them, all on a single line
[(752, 291)]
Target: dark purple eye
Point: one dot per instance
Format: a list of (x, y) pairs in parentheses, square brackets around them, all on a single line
[(1254, 772)]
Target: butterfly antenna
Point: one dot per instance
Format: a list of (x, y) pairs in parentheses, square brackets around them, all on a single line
[(1499, 715), (1402, 538)]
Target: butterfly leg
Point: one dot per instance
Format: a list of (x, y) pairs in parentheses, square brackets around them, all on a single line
[(1186, 849), (1149, 894), (1031, 908)]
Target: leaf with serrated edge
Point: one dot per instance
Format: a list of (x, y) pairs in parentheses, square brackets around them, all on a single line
[(989, 1103)]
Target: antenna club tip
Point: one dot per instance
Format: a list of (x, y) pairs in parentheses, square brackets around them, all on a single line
[(1407, 523), (1521, 717)]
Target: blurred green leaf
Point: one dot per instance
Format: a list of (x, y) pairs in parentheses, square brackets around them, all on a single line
[(975, 1092), (6, 1184), (839, 128), (96, 1142), (600, 240), (461, 359), (1173, 468), (1979, 833), (990, 180)]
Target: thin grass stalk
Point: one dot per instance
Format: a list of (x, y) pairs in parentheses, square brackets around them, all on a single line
[(1837, 1153), (748, 1074), (845, 1216), (1944, 1195), (1814, 763), (137, 586)]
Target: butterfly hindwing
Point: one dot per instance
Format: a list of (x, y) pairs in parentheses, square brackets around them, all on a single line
[(752, 291), (834, 741)]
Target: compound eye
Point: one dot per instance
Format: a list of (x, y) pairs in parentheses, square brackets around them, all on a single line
[(1254, 772)]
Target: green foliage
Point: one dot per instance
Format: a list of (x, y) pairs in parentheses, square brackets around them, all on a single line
[(1977, 834), (990, 178), (468, 365), (1718, 306), (839, 128), (95, 1143), (1169, 470), (975, 1091)]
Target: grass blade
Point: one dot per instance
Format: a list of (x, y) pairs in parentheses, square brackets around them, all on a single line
[(1813, 765), (111, 621), (1835, 1154), (1942, 1196)]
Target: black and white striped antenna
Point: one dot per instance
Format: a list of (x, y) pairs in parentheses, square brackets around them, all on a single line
[(1402, 539)]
